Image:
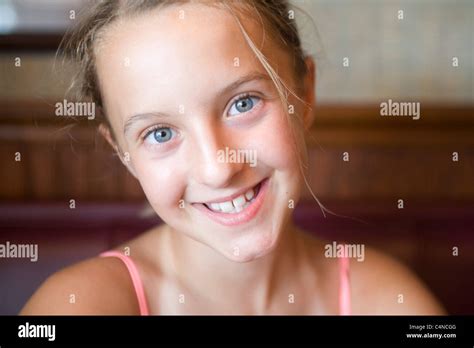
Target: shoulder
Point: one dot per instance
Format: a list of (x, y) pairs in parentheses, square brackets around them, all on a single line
[(100, 285), (381, 285)]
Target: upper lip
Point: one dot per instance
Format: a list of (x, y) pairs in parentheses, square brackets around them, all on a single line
[(232, 196)]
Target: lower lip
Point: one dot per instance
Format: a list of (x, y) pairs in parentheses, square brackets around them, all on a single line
[(238, 218)]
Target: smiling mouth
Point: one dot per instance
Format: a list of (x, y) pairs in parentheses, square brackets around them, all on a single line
[(237, 204), (238, 210)]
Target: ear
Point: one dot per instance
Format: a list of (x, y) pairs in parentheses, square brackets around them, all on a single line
[(105, 131), (309, 92)]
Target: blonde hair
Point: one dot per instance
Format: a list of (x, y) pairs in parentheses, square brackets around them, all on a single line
[(78, 44)]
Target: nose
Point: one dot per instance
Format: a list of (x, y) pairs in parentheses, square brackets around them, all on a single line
[(212, 167)]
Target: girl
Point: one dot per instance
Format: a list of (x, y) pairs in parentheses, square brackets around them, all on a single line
[(191, 90)]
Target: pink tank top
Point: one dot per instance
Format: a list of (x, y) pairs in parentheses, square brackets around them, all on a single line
[(344, 284)]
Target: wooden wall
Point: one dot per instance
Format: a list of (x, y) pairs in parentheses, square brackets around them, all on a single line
[(389, 157)]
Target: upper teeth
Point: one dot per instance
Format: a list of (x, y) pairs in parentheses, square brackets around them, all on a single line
[(235, 205)]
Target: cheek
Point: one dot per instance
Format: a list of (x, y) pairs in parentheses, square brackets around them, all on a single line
[(276, 144), (159, 181)]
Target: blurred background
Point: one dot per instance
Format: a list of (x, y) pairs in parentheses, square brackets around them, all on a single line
[(361, 164)]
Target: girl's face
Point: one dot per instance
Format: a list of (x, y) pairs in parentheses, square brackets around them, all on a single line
[(202, 125)]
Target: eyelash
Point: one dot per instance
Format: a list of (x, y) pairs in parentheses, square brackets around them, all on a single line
[(245, 96), (153, 128)]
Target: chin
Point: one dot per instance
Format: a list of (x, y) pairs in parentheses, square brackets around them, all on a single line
[(252, 246)]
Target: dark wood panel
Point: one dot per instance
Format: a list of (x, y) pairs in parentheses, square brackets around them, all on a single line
[(13, 180), (396, 172), (30, 42), (389, 158), (449, 116)]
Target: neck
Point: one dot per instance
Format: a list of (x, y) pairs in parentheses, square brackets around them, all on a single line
[(249, 287)]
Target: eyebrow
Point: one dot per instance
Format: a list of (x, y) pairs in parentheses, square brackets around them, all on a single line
[(252, 76)]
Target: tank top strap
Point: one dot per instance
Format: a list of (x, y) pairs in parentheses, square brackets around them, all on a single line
[(136, 280), (344, 287)]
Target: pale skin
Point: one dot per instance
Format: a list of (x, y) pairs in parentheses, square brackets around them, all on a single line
[(161, 63)]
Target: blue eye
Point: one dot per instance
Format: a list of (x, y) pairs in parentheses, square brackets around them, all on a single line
[(243, 105), (159, 135)]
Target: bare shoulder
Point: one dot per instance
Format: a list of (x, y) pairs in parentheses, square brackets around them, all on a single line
[(97, 286), (381, 285), (91, 287)]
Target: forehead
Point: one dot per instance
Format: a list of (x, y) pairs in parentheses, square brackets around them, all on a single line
[(176, 53)]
